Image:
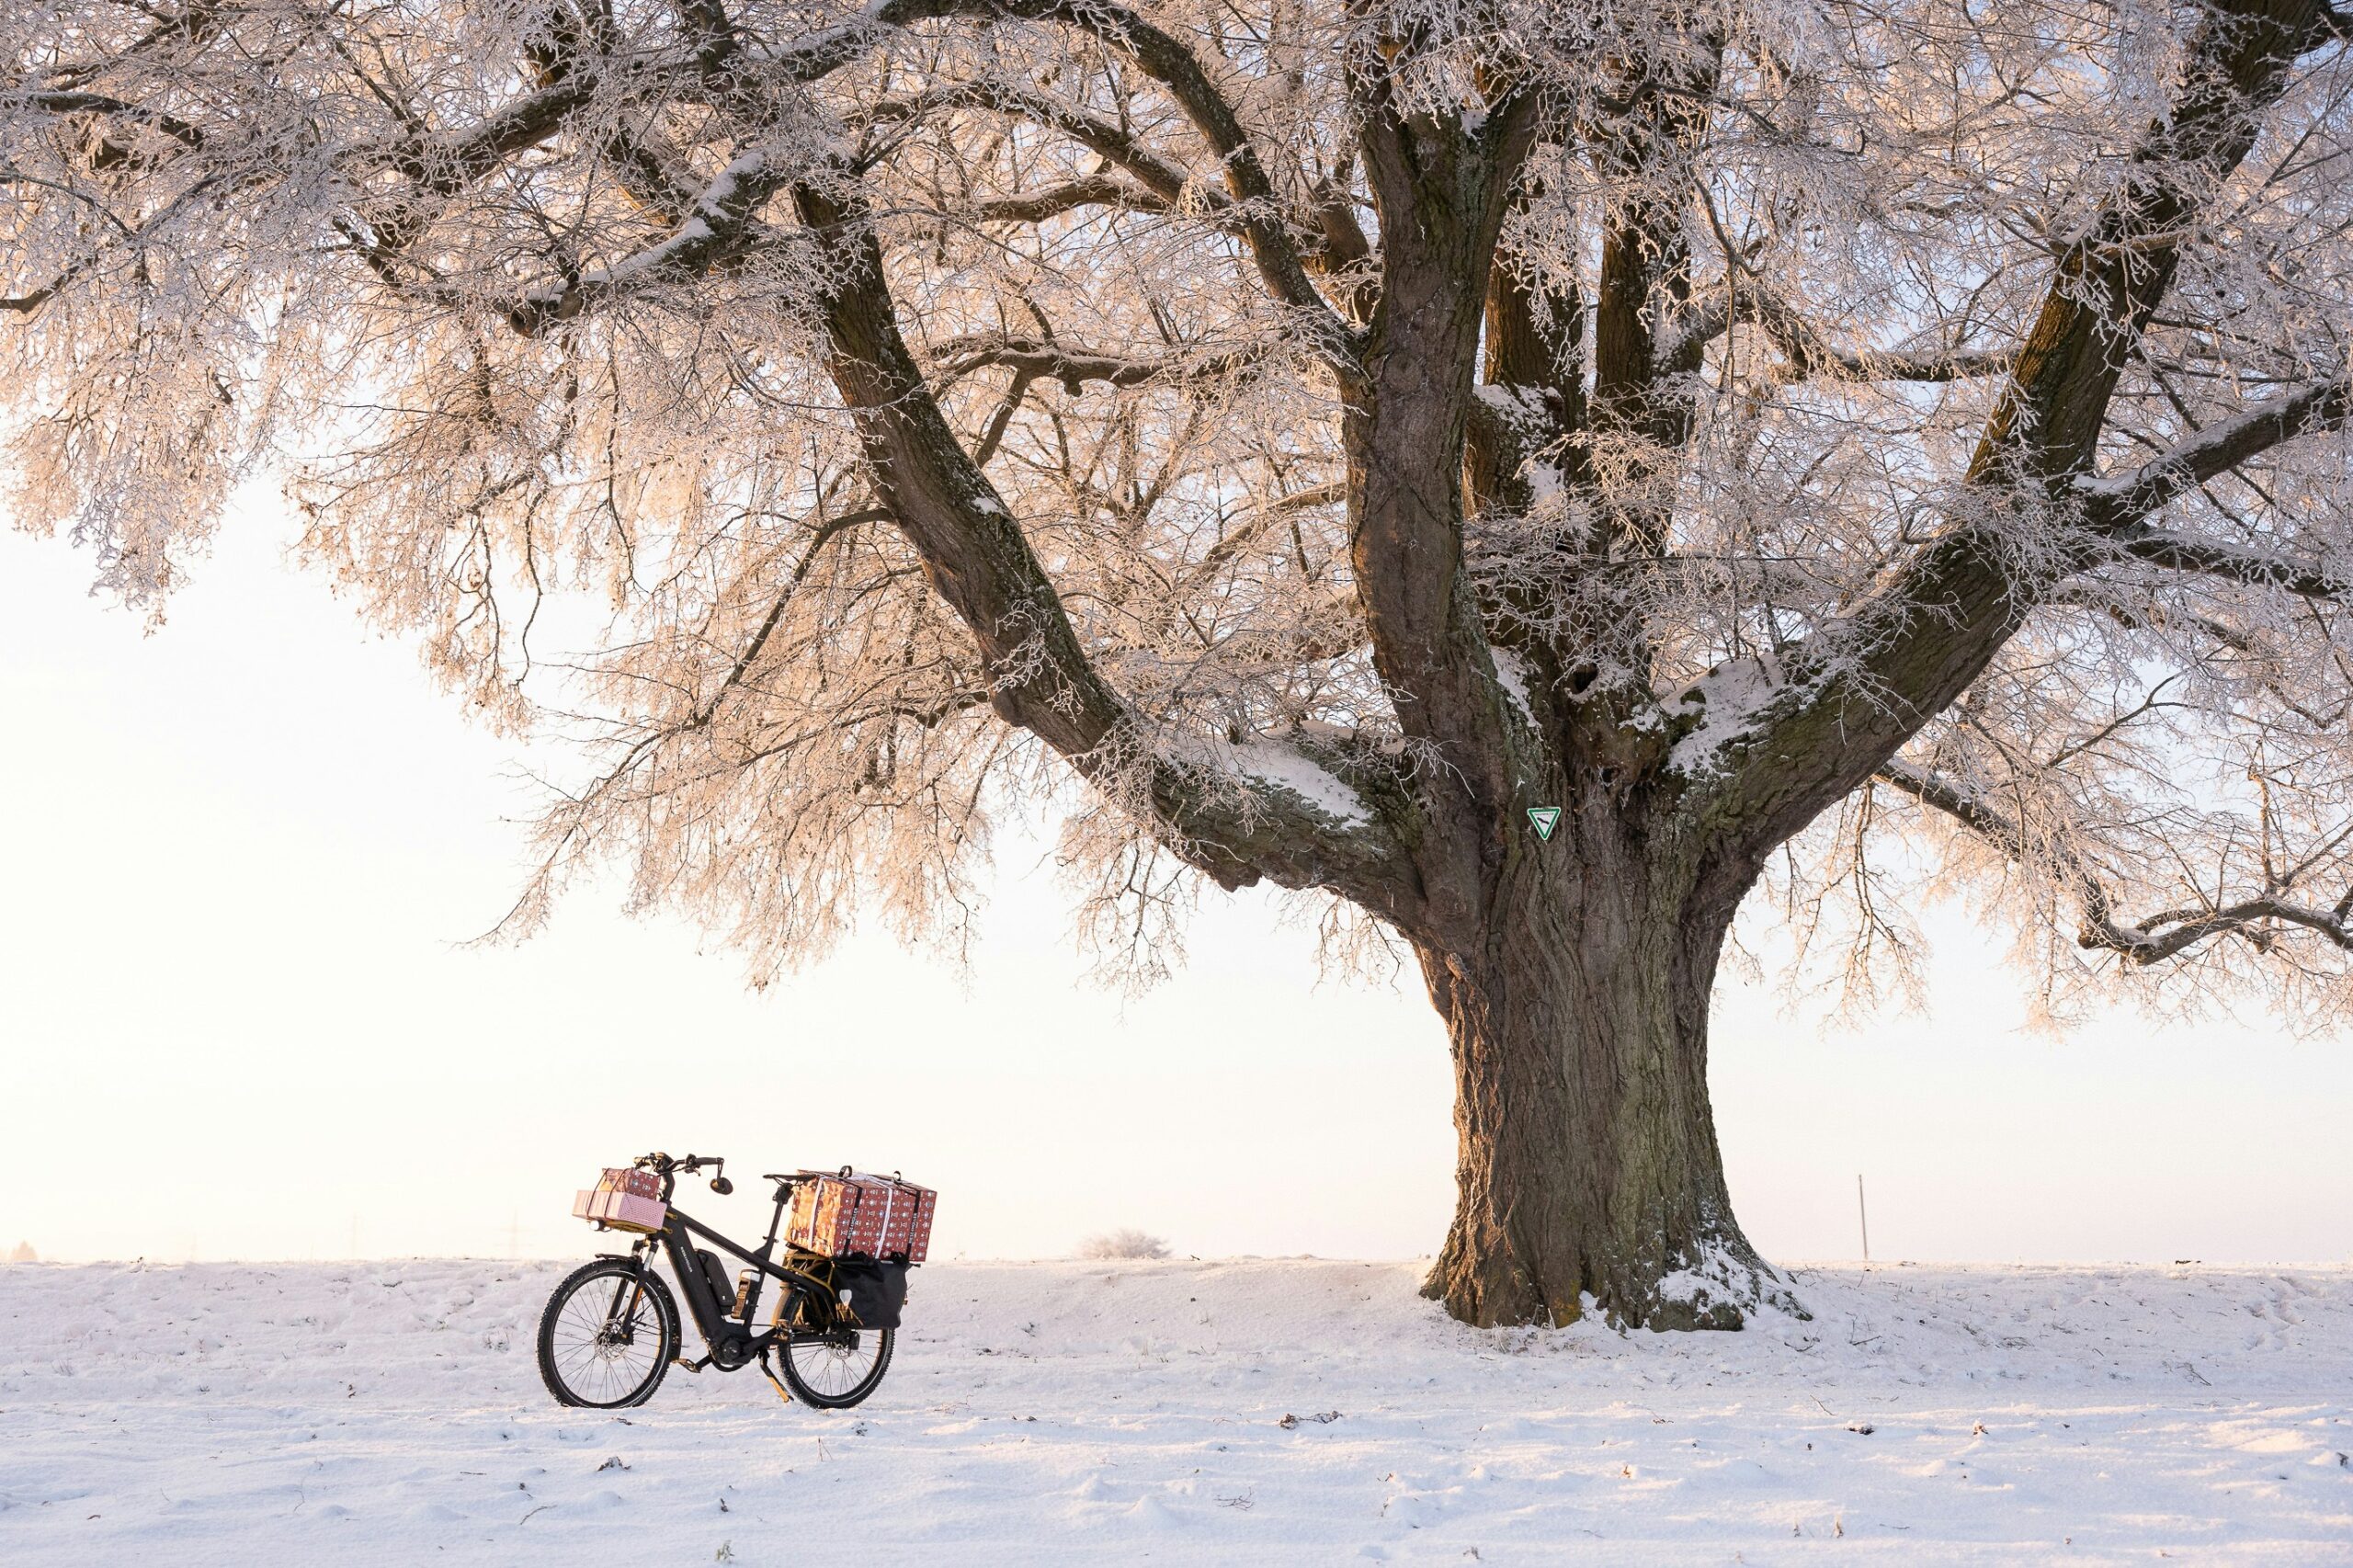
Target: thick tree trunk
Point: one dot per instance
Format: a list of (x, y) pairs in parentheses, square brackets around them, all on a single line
[(1588, 1173), (1574, 974)]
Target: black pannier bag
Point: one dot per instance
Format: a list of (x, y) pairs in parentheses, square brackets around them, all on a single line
[(877, 1290)]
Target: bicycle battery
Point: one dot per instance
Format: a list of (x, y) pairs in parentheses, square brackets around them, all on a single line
[(722, 1287)]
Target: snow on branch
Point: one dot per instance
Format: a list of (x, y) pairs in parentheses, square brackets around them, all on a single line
[(1074, 368), (2220, 448), (1719, 710), (1071, 196), (1810, 352), (724, 221), (1264, 763), (2118, 507)]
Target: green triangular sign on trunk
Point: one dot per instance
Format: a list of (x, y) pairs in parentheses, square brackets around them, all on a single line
[(1545, 819)]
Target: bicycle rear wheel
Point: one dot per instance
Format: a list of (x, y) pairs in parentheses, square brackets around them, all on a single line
[(607, 1335), (835, 1370)]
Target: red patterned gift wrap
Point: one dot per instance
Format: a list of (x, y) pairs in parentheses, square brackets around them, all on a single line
[(839, 1212)]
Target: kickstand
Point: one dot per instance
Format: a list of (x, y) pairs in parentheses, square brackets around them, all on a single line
[(769, 1368)]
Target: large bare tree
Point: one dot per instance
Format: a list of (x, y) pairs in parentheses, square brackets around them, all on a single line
[(1807, 443)]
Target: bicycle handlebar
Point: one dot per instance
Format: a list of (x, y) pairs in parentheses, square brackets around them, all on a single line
[(665, 1166)]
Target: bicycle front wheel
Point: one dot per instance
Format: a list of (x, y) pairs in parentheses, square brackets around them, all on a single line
[(607, 1335), (836, 1369)]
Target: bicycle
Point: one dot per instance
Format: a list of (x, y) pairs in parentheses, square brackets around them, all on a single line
[(610, 1332)]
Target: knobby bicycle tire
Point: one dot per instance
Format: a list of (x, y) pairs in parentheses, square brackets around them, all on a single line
[(570, 1358)]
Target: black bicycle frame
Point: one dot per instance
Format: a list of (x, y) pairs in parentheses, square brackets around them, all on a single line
[(737, 1337)]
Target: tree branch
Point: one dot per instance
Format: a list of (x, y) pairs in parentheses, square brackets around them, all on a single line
[(442, 165), (2125, 500), (2142, 943), (1441, 184), (1042, 358), (1040, 678), (1810, 353), (170, 125), (2117, 509), (1167, 61), (2254, 568), (725, 220), (1535, 358), (1171, 189), (1645, 260), (1169, 184), (1097, 190)]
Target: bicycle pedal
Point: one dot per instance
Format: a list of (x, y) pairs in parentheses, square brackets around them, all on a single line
[(680, 1361)]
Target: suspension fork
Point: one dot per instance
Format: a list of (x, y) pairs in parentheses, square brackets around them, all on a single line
[(629, 1294)]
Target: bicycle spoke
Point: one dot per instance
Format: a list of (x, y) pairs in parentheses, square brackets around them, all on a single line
[(834, 1371), (605, 1344)]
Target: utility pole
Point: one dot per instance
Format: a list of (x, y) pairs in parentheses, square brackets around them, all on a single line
[(1864, 1214)]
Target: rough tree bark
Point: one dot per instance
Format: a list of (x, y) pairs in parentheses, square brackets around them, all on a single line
[(1589, 1173)]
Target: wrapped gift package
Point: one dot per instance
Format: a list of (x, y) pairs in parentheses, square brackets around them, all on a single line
[(625, 1199), (844, 1213)]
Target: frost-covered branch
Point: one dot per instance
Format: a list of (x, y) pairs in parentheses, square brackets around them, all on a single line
[(2162, 935), (2118, 507), (1654, 123), (1236, 824), (1071, 196), (1074, 368), (1809, 352), (2257, 569), (2125, 499), (1166, 59), (1246, 208), (724, 224)]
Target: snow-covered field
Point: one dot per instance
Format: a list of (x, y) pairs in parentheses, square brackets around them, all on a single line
[(1113, 1412)]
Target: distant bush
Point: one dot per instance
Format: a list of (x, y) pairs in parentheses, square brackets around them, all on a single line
[(24, 1254), (1123, 1243)]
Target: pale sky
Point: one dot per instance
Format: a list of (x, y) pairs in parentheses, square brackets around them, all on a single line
[(239, 857)]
